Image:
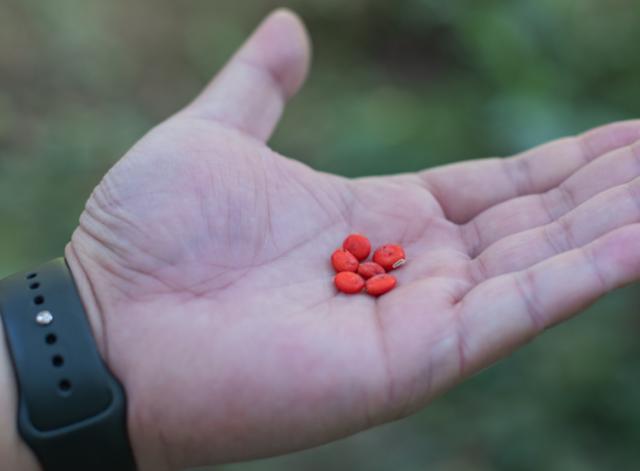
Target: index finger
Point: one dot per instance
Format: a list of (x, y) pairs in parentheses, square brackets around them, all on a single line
[(466, 189)]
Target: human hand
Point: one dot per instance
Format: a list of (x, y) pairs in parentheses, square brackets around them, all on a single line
[(202, 258)]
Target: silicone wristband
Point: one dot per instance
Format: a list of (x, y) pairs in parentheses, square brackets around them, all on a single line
[(72, 410)]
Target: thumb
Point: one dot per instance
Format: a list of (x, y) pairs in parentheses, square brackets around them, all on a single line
[(250, 92)]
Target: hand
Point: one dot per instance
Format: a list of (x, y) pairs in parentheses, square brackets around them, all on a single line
[(203, 259)]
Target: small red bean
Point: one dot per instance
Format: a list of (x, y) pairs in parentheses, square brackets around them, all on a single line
[(344, 261), (390, 256), (358, 245), (368, 269), (380, 284), (348, 282)]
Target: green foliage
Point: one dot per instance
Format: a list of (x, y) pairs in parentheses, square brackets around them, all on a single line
[(396, 86)]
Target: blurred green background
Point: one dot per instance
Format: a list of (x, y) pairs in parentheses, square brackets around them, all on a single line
[(395, 86)]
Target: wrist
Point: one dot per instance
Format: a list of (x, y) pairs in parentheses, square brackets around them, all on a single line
[(14, 452), (92, 283)]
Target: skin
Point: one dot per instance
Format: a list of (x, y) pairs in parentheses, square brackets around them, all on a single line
[(203, 261)]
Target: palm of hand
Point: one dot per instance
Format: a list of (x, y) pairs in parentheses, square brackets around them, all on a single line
[(236, 265), (214, 252)]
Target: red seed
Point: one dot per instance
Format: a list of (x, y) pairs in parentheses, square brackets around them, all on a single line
[(368, 269), (389, 256), (348, 282), (344, 261), (358, 245), (380, 284)]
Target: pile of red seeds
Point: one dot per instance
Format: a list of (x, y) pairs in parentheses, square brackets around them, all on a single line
[(354, 274)]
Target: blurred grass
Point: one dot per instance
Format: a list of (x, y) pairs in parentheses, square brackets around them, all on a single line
[(396, 86)]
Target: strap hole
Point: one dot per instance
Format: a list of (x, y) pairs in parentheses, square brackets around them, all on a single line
[(31, 276), (35, 285), (64, 386), (38, 299), (57, 360), (51, 339)]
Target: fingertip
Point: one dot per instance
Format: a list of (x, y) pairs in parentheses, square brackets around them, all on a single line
[(608, 137), (281, 43), (251, 91), (617, 255)]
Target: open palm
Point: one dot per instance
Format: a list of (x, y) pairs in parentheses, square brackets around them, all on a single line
[(204, 259)]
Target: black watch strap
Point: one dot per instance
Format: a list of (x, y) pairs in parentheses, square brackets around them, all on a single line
[(72, 410)]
